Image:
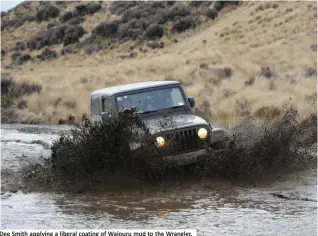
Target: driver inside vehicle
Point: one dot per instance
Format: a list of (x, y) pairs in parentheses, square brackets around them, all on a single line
[(149, 103)]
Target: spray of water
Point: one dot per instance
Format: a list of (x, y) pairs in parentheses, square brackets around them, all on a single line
[(94, 156)]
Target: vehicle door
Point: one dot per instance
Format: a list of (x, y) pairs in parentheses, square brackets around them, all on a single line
[(107, 108), (96, 108)]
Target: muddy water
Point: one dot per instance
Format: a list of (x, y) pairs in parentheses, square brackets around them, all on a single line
[(218, 207)]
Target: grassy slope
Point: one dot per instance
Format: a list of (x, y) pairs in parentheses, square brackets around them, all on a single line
[(255, 35)]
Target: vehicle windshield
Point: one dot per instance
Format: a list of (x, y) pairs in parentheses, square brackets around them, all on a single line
[(153, 100)]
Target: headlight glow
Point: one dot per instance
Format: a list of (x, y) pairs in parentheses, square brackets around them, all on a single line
[(202, 133), (160, 141)]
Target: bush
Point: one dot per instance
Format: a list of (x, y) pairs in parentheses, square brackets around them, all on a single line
[(266, 71), (70, 49), (11, 90), (89, 9), (106, 29), (16, 23), (15, 55), (52, 24), (126, 29), (133, 13), (183, 24), (93, 7), (65, 33), (178, 10), (196, 3), (47, 54), (67, 16), (155, 44), (28, 18), (20, 46), (212, 13), (47, 12), (154, 31), (118, 7), (75, 21), (80, 10), (19, 59), (89, 49)]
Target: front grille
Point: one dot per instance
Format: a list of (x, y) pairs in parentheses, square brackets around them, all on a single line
[(182, 140)]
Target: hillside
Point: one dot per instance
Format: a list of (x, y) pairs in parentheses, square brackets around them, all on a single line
[(239, 61)]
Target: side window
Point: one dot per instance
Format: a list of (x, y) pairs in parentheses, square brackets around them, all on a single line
[(95, 105), (107, 104)]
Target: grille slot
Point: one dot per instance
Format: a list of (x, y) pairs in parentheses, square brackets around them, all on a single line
[(183, 140)]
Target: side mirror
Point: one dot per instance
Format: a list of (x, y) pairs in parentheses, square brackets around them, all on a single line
[(191, 101), (106, 116)]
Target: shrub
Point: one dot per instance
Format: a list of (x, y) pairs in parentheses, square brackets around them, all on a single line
[(212, 13), (63, 33), (15, 55), (80, 10), (89, 49), (20, 46), (135, 13), (155, 44), (310, 72), (183, 24), (52, 24), (47, 12), (154, 31), (83, 9), (67, 16), (70, 39), (178, 10), (70, 49), (93, 7), (47, 54), (118, 7), (19, 59), (106, 29), (16, 23), (196, 3), (128, 30), (75, 21), (11, 90), (266, 71)]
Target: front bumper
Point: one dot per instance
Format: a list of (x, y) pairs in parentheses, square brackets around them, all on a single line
[(216, 144), (191, 157)]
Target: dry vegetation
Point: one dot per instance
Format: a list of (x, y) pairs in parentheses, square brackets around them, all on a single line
[(250, 62)]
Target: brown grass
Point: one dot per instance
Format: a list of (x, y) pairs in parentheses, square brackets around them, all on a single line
[(282, 46)]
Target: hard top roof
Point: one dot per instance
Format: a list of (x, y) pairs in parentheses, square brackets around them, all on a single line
[(132, 87)]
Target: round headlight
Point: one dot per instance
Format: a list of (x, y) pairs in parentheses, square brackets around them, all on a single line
[(160, 141), (202, 133)]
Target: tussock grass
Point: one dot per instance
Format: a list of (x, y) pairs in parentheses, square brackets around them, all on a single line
[(282, 46)]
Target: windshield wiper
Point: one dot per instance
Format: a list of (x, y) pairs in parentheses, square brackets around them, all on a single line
[(171, 108), (146, 112)]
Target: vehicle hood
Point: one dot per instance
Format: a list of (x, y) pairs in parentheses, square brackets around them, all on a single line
[(159, 123)]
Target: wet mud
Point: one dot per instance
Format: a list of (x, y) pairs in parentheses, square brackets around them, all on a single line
[(265, 185)]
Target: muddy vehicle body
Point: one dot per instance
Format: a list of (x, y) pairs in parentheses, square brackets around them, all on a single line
[(179, 136)]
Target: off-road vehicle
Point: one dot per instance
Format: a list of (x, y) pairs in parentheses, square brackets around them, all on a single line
[(180, 137)]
